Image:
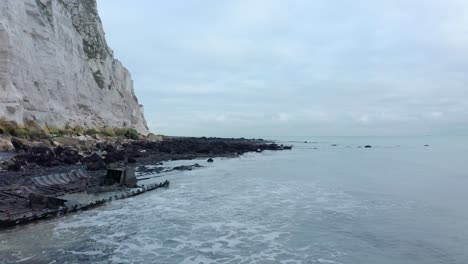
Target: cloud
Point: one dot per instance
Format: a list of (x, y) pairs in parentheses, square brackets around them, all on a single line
[(313, 67)]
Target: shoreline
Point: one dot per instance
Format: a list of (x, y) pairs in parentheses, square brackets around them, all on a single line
[(51, 172), (57, 155)]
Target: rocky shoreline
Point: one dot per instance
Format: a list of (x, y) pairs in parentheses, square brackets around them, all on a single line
[(31, 158), (52, 159)]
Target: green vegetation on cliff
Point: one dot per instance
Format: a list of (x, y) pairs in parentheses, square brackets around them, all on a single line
[(30, 130)]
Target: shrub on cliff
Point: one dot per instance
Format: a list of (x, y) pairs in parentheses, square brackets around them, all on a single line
[(20, 132), (7, 127), (3, 131), (91, 132), (31, 130), (132, 134), (55, 131), (120, 132), (127, 132), (108, 132)]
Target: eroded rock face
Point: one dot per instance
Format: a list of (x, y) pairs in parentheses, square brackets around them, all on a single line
[(56, 67)]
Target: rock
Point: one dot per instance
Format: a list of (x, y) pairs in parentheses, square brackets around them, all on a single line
[(21, 145), (153, 137), (114, 156), (187, 167), (43, 156), (101, 146), (93, 158), (152, 170), (55, 143), (367, 146), (74, 143), (334, 145), (57, 69), (16, 165), (110, 148), (287, 147), (111, 151), (38, 155), (426, 145), (84, 138), (40, 150), (98, 165), (68, 155), (6, 145)]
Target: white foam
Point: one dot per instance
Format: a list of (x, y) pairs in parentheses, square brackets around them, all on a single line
[(327, 261)]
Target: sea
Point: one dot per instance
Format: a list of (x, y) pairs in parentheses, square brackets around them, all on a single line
[(328, 201)]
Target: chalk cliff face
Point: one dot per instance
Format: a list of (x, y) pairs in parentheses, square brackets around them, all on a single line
[(56, 68)]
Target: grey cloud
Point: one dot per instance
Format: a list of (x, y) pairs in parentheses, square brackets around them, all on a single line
[(270, 67)]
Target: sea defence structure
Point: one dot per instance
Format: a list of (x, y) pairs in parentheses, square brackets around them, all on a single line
[(56, 68), (42, 197)]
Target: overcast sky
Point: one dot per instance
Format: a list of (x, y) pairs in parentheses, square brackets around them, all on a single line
[(295, 67)]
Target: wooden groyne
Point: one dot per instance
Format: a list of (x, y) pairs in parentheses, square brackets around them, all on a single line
[(41, 199)]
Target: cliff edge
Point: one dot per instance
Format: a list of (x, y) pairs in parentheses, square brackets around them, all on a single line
[(56, 68)]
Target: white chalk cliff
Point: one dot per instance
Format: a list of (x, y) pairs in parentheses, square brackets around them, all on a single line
[(56, 68)]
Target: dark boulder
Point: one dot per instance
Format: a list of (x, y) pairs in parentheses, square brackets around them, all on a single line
[(95, 162), (367, 146), (16, 165), (187, 167), (100, 146), (21, 145), (93, 158), (39, 155), (114, 156), (41, 150), (110, 148), (149, 170), (68, 155), (98, 165), (210, 160)]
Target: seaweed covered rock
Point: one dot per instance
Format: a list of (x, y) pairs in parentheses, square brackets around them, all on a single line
[(68, 155), (104, 153), (21, 145)]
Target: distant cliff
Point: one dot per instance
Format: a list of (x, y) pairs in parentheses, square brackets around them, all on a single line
[(56, 68)]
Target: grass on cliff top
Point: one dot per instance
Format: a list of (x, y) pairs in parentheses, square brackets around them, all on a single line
[(30, 130)]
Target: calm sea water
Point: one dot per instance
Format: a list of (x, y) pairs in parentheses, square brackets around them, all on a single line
[(399, 202)]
